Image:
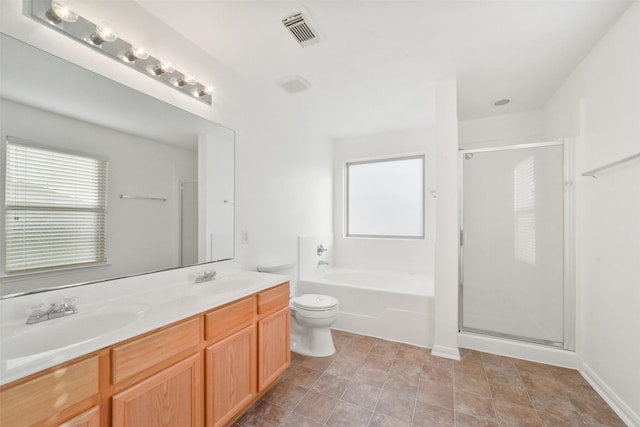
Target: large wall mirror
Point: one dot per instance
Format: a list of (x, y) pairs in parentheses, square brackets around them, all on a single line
[(169, 187)]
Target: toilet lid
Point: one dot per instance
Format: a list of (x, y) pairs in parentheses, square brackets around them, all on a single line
[(314, 302)]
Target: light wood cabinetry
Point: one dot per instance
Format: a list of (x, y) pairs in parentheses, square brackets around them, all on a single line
[(142, 354), (274, 356), (273, 299), (206, 369), (38, 400), (170, 398), (230, 318), (90, 418), (230, 376)]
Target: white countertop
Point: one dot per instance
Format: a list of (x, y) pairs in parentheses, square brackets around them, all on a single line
[(110, 312)]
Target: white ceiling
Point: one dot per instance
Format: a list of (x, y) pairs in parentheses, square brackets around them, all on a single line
[(376, 65)]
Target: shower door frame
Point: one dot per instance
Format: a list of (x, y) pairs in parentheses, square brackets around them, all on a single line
[(181, 185), (569, 287)]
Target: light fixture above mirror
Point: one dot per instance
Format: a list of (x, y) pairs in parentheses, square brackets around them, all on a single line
[(59, 15)]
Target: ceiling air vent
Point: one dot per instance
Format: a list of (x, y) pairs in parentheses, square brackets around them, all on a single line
[(293, 84), (300, 29)]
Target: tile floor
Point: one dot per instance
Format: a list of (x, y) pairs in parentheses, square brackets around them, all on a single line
[(375, 383)]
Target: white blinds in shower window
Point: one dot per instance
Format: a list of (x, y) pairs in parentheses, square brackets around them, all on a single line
[(55, 209)]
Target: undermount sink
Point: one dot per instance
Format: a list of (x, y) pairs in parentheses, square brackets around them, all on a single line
[(56, 334)]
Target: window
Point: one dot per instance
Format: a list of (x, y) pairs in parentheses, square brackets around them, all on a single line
[(385, 198), (55, 209)]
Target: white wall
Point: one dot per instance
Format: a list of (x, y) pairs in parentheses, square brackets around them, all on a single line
[(283, 187), (600, 104), (142, 235), (407, 255), (283, 161), (446, 278), (501, 129)]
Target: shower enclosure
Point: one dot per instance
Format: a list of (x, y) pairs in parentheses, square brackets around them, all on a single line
[(513, 256)]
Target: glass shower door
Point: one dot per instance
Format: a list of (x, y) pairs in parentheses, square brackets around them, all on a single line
[(512, 243)]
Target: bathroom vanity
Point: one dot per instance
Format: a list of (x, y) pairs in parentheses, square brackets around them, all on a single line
[(203, 369)]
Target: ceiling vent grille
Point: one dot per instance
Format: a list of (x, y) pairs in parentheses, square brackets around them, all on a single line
[(300, 29)]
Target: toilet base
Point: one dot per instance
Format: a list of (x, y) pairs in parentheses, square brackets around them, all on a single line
[(314, 342)]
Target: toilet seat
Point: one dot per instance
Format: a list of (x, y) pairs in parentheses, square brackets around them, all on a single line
[(314, 302)]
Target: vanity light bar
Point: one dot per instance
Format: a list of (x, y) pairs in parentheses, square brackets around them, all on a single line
[(103, 38)]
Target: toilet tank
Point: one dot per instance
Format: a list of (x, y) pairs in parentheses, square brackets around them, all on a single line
[(285, 268)]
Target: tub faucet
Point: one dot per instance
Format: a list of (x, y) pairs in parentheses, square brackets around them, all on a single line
[(321, 262), (40, 313), (321, 249)]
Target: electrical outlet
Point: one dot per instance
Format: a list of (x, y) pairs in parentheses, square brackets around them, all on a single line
[(244, 237)]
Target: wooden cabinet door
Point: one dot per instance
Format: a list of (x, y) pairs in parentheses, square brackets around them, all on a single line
[(230, 376), (90, 418), (274, 356), (171, 398)]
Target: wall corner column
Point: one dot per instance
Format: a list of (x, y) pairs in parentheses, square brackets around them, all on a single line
[(445, 343)]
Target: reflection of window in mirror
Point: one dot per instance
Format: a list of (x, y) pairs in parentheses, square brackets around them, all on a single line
[(55, 209)]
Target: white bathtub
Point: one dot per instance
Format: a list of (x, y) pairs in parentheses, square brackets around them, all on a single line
[(388, 305)]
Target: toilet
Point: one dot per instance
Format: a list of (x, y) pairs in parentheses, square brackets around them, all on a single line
[(312, 316)]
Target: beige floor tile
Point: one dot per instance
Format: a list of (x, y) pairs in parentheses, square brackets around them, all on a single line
[(286, 394), (362, 394), (370, 382), (554, 419), (435, 394), (464, 420), (383, 420), (470, 383), (396, 405), (316, 406), (426, 415), (297, 420), (349, 415), (510, 393), (474, 405), (330, 385), (513, 415)]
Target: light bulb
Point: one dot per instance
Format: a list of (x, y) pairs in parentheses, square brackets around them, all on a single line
[(162, 68), (103, 33), (135, 53), (61, 11), (185, 80), (203, 91)]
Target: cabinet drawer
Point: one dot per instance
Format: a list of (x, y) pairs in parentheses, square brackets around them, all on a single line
[(273, 299), (49, 394), (144, 353), (226, 320), (90, 418)]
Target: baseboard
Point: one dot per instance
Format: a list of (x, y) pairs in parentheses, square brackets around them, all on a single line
[(622, 409), (446, 352)]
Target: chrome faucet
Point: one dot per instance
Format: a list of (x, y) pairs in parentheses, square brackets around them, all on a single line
[(321, 249), (205, 276), (40, 313), (321, 262)]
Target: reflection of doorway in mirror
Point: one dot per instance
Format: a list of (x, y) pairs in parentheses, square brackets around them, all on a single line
[(188, 223)]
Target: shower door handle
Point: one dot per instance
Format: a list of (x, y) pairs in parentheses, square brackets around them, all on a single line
[(463, 238)]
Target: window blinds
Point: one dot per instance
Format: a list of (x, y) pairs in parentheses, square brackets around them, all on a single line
[(55, 207)]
